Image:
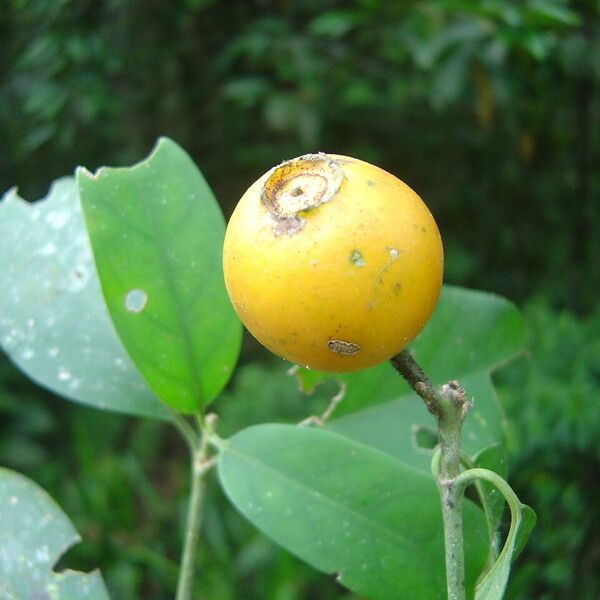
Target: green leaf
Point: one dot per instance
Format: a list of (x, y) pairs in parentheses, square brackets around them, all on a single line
[(449, 80), (335, 23), (156, 233), (247, 91), (528, 521), (493, 458), (538, 44), (262, 392), (470, 331), (541, 13), (391, 428), (34, 534), (469, 335), (347, 509), (53, 321), (493, 584)]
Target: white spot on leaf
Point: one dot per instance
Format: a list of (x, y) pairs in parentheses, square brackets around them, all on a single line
[(64, 374), (47, 249), (135, 300), (57, 219), (27, 354)]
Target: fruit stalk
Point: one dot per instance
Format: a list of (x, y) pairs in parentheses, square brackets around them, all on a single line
[(449, 406)]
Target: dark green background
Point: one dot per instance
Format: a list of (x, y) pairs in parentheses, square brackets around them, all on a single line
[(489, 109)]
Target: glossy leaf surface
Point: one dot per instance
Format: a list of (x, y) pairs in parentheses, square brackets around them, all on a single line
[(347, 509), (156, 233)]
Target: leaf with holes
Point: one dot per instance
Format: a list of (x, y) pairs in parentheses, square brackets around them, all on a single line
[(53, 320), (348, 509), (157, 233), (34, 534)]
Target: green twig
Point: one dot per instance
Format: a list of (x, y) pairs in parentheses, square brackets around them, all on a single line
[(449, 406), (194, 518), (449, 424), (186, 431), (201, 463)]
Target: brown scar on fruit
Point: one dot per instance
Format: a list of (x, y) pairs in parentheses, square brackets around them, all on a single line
[(298, 185), (343, 348)]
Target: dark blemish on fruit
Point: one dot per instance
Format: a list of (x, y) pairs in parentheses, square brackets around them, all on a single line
[(299, 185), (356, 258), (343, 348)]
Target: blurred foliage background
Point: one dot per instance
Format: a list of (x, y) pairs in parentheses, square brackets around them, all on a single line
[(490, 109)]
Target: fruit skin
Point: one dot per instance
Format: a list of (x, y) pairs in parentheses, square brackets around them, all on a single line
[(352, 282)]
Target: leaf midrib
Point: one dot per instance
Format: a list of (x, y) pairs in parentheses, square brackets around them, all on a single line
[(185, 333)]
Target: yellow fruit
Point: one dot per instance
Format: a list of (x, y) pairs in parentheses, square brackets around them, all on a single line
[(332, 263)]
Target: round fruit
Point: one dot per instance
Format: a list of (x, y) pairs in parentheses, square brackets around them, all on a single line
[(332, 263)]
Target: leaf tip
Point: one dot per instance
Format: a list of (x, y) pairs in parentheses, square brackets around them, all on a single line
[(163, 139), (161, 142)]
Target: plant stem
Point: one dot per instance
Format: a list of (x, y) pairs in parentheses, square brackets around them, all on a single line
[(449, 406), (449, 424), (408, 367), (186, 431), (187, 569)]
